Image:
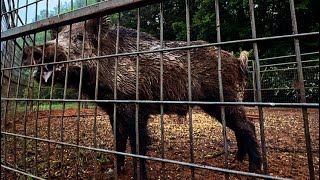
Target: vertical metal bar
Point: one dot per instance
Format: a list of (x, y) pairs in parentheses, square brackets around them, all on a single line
[(26, 18), (14, 118), (50, 104), (26, 110), (115, 97), (47, 8), (64, 103), (6, 111), (36, 11), (137, 96), (11, 13), (79, 97), (163, 174), (96, 90), (187, 3), (71, 5), (15, 110), (258, 87), (254, 82), (302, 91), (59, 6), (37, 107), (222, 108)]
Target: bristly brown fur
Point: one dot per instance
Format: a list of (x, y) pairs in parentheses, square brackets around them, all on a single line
[(204, 80)]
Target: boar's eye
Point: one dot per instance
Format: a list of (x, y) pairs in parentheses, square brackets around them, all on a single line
[(79, 37)]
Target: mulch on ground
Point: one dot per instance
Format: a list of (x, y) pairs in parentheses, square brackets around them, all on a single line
[(284, 132)]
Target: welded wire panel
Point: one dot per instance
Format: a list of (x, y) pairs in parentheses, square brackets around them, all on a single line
[(159, 90)]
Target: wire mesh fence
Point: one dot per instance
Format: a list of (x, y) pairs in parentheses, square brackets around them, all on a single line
[(67, 67)]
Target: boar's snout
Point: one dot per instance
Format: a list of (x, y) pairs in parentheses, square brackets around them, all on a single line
[(34, 55), (31, 56)]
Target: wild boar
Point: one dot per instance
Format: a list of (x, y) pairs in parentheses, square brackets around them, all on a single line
[(204, 81)]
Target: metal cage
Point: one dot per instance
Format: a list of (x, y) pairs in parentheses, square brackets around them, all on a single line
[(65, 135)]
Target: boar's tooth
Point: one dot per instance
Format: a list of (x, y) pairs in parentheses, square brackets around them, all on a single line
[(59, 68), (34, 73), (46, 76), (34, 62)]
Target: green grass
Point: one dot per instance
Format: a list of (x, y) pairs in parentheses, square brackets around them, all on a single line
[(59, 106), (54, 106)]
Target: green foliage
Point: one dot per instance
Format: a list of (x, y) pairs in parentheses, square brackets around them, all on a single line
[(57, 93)]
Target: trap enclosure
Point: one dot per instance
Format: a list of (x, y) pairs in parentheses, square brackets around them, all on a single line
[(180, 89)]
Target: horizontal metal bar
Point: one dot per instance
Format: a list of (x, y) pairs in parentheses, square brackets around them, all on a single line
[(264, 104), (273, 89), (96, 10), (21, 172), (288, 63), (286, 69), (288, 56), (150, 158), (167, 49)]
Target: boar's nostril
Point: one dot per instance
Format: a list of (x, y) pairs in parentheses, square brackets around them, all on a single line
[(37, 55)]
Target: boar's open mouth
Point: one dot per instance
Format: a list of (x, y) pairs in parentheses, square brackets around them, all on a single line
[(48, 69), (46, 73)]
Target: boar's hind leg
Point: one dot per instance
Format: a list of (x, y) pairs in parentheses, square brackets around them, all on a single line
[(244, 131), (121, 139)]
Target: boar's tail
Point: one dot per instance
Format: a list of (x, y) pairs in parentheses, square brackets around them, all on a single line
[(244, 63)]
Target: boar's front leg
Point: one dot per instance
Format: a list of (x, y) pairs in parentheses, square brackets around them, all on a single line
[(125, 127), (121, 138)]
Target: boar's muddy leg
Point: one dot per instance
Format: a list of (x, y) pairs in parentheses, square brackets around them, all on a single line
[(143, 137), (244, 131), (121, 139)]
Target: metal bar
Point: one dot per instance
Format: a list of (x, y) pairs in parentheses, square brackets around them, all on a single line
[(222, 108), (96, 10), (288, 63), (15, 110), (269, 89), (153, 158), (302, 91), (115, 96), (168, 49), (38, 105), (21, 172), (11, 14), (64, 104), (25, 116), (264, 104), (5, 114), (288, 56), (4, 9), (287, 69), (47, 9), (163, 172), (137, 161), (50, 105), (96, 90), (258, 87), (187, 4), (79, 97), (14, 119)]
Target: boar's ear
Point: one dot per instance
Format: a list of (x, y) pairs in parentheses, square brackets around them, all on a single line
[(53, 32), (92, 25)]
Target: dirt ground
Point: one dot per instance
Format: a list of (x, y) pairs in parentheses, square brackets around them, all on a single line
[(284, 132)]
